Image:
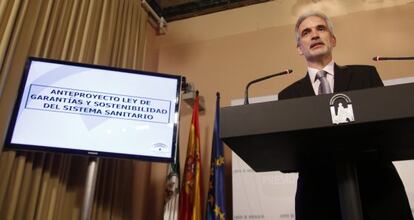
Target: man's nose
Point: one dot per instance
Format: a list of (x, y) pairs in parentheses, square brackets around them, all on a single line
[(315, 37)]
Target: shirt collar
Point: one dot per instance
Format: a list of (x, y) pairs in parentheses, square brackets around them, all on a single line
[(328, 68)]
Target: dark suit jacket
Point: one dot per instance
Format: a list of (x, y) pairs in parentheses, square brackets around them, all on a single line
[(382, 192)]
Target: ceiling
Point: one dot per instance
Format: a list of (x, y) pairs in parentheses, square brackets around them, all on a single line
[(173, 10), (261, 17)]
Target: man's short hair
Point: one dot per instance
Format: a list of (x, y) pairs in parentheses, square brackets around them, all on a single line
[(310, 14)]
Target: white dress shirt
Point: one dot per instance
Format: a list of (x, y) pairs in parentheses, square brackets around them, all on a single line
[(329, 76)]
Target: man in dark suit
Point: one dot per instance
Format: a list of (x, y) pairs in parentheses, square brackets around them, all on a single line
[(382, 192)]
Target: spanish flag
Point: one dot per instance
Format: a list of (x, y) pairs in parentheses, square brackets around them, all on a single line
[(190, 207)]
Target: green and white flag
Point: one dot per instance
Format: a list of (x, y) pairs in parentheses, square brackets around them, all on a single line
[(172, 188)]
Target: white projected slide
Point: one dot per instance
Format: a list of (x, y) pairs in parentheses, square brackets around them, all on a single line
[(95, 110), (271, 195)]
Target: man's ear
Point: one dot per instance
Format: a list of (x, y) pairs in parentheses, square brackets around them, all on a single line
[(299, 50), (333, 40)]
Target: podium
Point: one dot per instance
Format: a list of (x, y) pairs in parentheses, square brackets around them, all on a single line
[(280, 135)]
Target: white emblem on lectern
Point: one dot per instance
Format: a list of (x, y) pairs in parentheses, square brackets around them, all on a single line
[(341, 109)]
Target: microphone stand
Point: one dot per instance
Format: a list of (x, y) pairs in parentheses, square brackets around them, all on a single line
[(378, 58), (246, 91)]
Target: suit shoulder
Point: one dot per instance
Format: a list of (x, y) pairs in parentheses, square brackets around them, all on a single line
[(359, 68), (363, 74), (292, 86), (291, 91)]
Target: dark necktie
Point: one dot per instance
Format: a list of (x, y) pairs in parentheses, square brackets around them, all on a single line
[(324, 87)]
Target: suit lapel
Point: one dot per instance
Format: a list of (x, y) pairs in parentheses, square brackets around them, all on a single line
[(341, 78), (305, 86)]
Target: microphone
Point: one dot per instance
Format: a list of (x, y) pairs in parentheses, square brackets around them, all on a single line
[(246, 91), (378, 58)]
